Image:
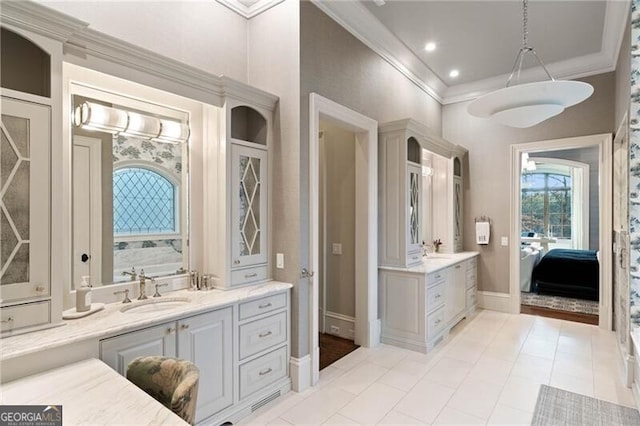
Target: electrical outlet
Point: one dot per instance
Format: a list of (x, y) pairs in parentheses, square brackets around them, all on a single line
[(335, 329), (336, 248)]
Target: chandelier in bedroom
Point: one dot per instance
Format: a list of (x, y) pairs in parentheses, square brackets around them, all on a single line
[(525, 105)]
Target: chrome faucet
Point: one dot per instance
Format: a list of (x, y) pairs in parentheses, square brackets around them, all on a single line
[(132, 274), (143, 289)]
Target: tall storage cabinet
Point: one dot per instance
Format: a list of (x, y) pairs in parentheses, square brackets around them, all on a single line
[(458, 205), (237, 192)]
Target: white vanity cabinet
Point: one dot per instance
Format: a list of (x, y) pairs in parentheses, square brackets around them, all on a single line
[(237, 193), (471, 284), (419, 305), (205, 340)]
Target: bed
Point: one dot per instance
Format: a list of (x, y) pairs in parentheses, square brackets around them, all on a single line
[(568, 273), (529, 258)]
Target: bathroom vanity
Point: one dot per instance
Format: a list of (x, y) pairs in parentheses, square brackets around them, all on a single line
[(419, 305)]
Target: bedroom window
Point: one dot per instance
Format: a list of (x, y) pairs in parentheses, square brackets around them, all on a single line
[(546, 204)]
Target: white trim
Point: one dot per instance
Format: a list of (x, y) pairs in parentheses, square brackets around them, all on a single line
[(366, 274), (300, 372), (248, 11), (493, 301), (362, 24), (604, 144), (345, 324)]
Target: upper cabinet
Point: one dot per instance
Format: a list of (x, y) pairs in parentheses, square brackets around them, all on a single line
[(238, 167), (420, 201)]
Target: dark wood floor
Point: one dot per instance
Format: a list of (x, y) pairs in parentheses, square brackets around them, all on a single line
[(563, 315), (332, 348)]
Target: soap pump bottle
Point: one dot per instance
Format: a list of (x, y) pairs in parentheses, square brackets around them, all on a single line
[(83, 295)]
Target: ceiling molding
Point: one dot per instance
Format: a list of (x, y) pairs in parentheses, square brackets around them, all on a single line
[(357, 19), (39, 19), (361, 23), (249, 8)]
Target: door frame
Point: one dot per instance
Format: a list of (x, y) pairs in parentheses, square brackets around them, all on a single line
[(604, 144), (367, 323)]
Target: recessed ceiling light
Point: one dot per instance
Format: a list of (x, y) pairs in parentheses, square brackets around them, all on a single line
[(454, 73), (430, 47)]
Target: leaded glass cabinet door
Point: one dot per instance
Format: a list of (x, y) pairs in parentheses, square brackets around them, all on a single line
[(414, 197), (249, 206), (457, 213), (24, 201)]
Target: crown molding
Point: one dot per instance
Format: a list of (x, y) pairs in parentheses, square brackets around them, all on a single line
[(361, 23), (39, 19), (357, 19), (249, 8)]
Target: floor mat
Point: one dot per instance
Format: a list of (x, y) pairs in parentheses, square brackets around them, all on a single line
[(332, 348), (559, 303), (559, 407)]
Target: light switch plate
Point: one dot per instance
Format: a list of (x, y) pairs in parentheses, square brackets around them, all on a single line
[(504, 241), (336, 248), (280, 260)]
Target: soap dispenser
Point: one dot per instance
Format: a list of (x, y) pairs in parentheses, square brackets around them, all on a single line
[(83, 295)]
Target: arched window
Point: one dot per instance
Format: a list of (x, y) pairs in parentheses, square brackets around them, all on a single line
[(144, 202)]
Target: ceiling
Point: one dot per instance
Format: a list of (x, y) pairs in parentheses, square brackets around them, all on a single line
[(481, 38)]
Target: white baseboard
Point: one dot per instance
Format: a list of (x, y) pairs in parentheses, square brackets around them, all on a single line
[(339, 325), (493, 301), (300, 370)]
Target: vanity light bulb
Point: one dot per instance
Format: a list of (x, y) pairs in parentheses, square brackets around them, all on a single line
[(98, 117), (142, 126), (173, 132)]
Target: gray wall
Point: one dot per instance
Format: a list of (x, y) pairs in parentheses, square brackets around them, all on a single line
[(337, 218), (488, 166), (590, 157)]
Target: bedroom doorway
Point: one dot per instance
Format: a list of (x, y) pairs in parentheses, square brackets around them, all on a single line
[(561, 229)]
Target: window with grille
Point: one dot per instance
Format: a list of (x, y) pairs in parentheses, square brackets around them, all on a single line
[(546, 204), (144, 202)]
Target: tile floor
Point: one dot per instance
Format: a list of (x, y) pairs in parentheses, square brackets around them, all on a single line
[(488, 371)]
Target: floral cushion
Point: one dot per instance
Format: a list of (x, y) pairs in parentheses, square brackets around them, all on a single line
[(171, 381)]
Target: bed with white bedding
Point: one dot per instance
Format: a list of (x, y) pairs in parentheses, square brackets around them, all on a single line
[(529, 258)]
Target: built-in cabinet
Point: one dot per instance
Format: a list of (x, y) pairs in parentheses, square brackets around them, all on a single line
[(418, 308), (458, 204), (237, 168), (242, 353)]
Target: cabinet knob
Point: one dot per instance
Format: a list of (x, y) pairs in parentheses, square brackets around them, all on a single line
[(170, 330), (267, 371), (268, 333), (236, 262), (438, 322), (457, 266), (438, 296), (184, 326), (40, 288), (8, 320)]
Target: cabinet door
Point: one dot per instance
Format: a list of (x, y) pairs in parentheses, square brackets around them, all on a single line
[(457, 213), (206, 341), (414, 196), (455, 302), (248, 206), (117, 352), (24, 200)]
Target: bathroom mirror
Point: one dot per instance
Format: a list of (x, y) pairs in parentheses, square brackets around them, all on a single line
[(129, 196)]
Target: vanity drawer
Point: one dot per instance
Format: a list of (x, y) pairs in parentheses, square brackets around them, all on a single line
[(436, 277), (22, 316), (435, 297), (263, 305), (249, 275), (471, 297), (435, 323), (261, 334), (414, 258), (256, 374)]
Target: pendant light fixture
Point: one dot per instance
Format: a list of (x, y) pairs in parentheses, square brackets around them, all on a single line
[(525, 105)]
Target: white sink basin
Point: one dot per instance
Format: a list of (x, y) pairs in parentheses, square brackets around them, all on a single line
[(155, 305)]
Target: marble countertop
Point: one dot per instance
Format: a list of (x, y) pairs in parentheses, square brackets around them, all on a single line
[(111, 321), (90, 392), (434, 262)]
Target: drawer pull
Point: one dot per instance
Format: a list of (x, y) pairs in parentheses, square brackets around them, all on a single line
[(251, 275), (236, 262), (457, 266), (267, 371), (438, 277), (415, 257), (438, 296), (184, 326), (438, 321), (40, 289), (170, 330), (268, 333), (264, 305), (10, 319)]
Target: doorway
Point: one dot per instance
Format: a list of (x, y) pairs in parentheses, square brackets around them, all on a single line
[(602, 254), (367, 323)]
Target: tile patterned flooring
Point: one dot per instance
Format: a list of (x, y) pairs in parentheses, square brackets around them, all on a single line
[(488, 371)]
